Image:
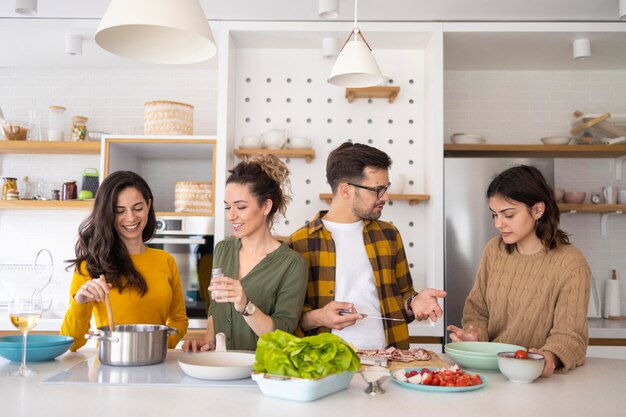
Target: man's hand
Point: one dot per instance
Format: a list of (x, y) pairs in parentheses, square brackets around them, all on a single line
[(425, 305), (328, 316)]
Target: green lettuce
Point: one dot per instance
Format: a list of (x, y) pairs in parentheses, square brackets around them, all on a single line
[(280, 353)]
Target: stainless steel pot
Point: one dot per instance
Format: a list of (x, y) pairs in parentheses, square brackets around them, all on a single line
[(132, 344)]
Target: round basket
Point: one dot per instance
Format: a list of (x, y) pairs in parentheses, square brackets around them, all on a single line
[(168, 118), (193, 197)]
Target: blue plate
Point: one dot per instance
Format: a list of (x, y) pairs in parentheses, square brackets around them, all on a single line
[(436, 388), (35, 340), (34, 353)]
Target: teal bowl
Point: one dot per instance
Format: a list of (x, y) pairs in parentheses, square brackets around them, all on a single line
[(481, 349), (480, 363), (42, 348)]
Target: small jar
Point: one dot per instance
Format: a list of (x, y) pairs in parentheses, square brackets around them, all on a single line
[(79, 128), (69, 190), (55, 195), (9, 186), (56, 123)]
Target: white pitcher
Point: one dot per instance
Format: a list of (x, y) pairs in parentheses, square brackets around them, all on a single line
[(275, 138)]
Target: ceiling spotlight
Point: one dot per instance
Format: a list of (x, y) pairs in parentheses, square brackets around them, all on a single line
[(26, 7), (622, 9), (328, 9), (330, 46), (73, 44), (582, 49)]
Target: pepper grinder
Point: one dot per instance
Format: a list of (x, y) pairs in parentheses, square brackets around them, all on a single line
[(611, 298)]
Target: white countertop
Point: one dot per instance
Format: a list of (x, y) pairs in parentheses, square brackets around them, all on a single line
[(597, 387), (607, 329)]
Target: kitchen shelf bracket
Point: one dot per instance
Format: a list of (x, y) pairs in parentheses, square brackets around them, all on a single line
[(603, 220), (619, 163)]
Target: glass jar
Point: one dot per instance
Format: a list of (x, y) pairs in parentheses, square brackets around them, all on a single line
[(56, 123), (9, 185), (79, 128), (69, 190)]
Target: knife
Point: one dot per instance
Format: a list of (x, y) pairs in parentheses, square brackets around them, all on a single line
[(366, 316)]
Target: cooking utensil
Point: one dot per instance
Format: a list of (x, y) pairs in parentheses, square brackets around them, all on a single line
[(107, 300), (367, 316), (132, 344), (599, 123)]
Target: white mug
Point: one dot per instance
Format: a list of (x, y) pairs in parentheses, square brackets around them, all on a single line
[(300, 142), (610, 194), (251, 141), (621, 198)]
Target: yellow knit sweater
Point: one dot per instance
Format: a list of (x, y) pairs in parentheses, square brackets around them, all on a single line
[(163, 303), (536, 301)]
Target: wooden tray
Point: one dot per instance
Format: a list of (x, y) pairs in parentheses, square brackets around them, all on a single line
[(434, 362)]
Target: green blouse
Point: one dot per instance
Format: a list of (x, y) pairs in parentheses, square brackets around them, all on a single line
[(276, 285)]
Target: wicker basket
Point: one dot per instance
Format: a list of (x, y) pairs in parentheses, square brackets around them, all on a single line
[(168, 118), (193, 197)]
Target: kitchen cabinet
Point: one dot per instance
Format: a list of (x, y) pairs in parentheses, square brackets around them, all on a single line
[(307, 154), (387, 92)]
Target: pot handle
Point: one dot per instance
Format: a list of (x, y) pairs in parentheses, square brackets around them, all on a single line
[(170, 331), (92, 336)]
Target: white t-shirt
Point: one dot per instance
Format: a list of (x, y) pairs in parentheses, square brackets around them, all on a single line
[(354, 283)]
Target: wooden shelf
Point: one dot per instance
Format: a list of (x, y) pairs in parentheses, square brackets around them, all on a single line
[(46, 204), (307, 154), (536, 151), (35, 147), (413, 199), (388, 92), (592, 208)]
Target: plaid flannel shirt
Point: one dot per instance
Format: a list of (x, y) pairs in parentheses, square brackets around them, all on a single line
[(385, 251)]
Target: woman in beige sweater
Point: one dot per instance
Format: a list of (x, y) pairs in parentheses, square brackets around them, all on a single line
[(532, 285)]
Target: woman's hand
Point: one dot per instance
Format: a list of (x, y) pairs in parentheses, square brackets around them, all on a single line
[(228, 290), (197, 345), (463, 335), (551, 361), (92, 290)]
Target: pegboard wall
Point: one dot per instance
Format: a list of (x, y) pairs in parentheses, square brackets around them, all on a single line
[(287, 89)]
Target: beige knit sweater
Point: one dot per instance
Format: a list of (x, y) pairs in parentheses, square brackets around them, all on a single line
[(536, 301)]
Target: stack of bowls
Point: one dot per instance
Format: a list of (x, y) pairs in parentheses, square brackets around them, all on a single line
[(481, 356), (38, 347)]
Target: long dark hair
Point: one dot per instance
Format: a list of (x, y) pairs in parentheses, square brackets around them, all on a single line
[(525, 184), (99, 244)]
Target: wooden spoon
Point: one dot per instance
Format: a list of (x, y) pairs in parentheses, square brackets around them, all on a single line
[(107, 300)]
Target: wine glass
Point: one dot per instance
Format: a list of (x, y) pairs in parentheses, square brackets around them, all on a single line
[(25, 308)]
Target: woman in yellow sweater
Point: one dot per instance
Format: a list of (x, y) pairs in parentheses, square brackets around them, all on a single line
[(143, 283), (532, 286)]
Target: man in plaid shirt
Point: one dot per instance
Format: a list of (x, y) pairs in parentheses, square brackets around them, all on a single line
[(357, 263)]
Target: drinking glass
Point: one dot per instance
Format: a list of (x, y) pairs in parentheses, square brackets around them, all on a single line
[(25, 308)]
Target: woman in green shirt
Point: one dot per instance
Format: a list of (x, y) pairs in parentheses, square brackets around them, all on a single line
[(264, 281)]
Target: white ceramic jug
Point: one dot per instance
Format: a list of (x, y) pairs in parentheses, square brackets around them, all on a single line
[(275, 138)]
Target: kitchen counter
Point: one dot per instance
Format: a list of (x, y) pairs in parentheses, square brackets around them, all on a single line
[(597, 386), (607, 329)]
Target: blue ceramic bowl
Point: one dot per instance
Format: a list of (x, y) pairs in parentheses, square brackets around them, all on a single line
[(39, 348)]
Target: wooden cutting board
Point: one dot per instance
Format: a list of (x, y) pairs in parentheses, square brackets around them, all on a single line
[(434, 362)]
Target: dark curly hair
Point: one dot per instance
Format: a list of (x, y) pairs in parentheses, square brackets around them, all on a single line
[(525, 184), (99, 244)]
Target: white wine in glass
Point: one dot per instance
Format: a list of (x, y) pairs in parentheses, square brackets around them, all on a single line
[(25, 308)]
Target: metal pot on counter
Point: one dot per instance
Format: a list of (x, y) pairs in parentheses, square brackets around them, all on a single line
[(132, 344)]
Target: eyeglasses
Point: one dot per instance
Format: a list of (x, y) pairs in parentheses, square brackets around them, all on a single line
[(380, 190)]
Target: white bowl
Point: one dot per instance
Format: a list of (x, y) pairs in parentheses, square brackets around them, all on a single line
[(218, 366), (523, 371), (556, 140), (467, 139), (301, 389)]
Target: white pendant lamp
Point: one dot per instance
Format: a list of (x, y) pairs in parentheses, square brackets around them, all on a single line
[(157, 31), (355, 67), (73, 44), (328, 9), (581, 49)]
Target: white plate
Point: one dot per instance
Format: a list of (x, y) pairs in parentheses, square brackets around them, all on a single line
[(467, 139), (556, 140), (218, 366)]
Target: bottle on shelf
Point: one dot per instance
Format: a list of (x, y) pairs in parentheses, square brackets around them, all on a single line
[(611, 298), (55, 124)]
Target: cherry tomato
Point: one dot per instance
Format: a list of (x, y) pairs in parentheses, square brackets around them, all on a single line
[(521, 354)]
